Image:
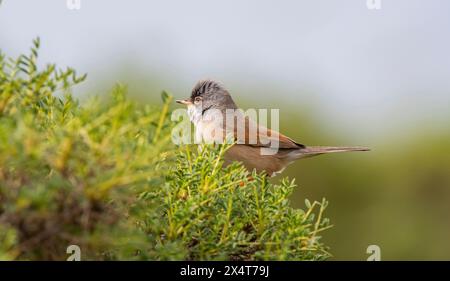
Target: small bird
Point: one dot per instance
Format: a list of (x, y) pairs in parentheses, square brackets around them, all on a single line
[(207, 108)]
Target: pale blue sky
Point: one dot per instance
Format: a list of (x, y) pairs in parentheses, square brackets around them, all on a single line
[(387, 69)]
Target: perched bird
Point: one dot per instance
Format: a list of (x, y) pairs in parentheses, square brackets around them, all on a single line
[(257, 147)]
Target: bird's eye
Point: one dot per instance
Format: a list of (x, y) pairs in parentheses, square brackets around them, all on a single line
[(197, 99)]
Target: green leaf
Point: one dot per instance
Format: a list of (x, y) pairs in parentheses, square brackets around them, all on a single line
[(307, 204), (164, 96)]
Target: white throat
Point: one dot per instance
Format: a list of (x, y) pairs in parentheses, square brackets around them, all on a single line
[(208, 124), (194, 113)]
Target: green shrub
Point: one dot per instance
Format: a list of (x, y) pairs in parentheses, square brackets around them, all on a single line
[(215, 212), (105, 176)]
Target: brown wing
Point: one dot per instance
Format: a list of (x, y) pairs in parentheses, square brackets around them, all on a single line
[(259, 136)]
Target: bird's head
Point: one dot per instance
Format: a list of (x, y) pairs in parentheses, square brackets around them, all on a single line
[(207, 94)]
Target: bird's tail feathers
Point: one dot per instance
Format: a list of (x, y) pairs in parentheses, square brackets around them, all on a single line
[(309, 151)]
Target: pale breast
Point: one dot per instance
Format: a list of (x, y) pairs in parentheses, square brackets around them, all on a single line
[(208, 126)]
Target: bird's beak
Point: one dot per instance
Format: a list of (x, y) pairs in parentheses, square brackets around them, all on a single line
[(185, 102)]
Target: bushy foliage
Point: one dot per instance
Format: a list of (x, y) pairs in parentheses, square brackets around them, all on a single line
[(216, 212), (106, 177)]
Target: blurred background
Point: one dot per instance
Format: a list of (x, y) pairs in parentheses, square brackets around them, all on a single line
[(340, 73)]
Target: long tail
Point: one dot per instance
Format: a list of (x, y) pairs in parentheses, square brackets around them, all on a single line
[(317, 150)]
